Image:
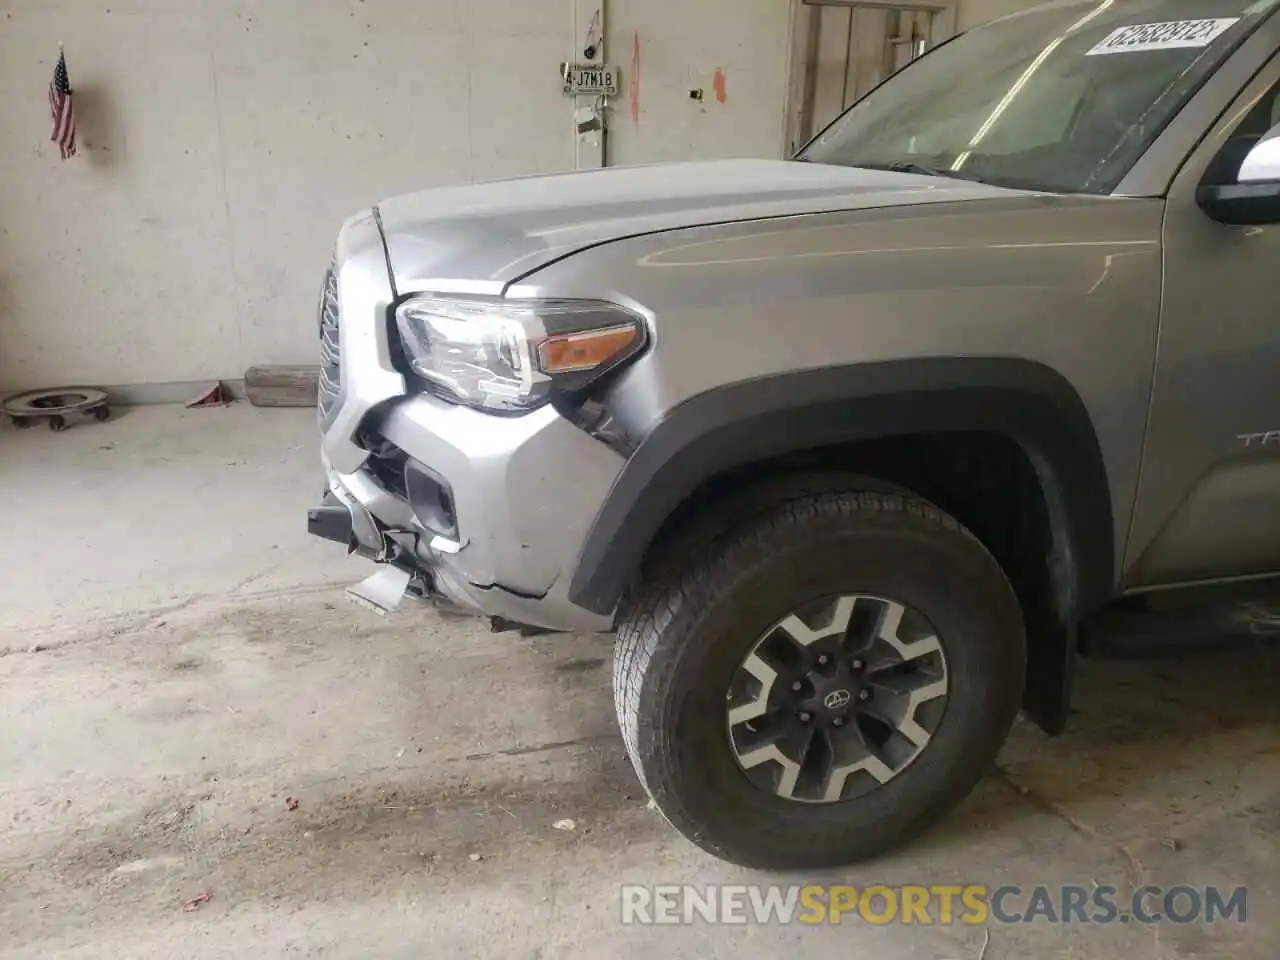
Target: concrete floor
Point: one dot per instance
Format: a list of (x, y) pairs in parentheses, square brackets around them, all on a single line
[(198, 664)]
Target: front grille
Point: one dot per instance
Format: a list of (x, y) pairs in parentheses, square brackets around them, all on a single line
[(330, 344)]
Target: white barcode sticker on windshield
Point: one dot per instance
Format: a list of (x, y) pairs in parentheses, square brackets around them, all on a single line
[(1163, 36)]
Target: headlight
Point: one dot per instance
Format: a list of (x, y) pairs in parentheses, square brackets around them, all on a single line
[(511, 355)]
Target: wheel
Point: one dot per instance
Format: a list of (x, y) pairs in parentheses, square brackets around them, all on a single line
[(101, 413), (57, 424), (831, 676)]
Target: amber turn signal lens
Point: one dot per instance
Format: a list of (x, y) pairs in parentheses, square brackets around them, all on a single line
[(575, 352)]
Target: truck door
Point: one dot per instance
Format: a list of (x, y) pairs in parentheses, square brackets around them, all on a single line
[(1208, 505)]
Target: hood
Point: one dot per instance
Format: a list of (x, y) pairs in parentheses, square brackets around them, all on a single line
[(501, 231)]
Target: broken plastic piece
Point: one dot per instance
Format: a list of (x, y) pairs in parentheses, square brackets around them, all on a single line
[(215, 395), (383, 591)]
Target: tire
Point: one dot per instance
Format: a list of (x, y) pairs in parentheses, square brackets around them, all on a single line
[(692, 623)]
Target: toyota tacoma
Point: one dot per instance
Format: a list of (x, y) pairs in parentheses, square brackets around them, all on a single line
[(857, 452)]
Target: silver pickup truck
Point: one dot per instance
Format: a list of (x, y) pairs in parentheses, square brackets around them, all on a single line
[(856, 453)]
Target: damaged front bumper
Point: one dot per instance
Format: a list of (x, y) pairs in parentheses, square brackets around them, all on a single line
[(484, 514), (342, 518), (487, 512)]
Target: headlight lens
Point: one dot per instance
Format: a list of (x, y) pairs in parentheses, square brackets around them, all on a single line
[(512, 355)]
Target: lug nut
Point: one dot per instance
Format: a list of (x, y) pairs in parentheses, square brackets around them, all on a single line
[(823, 660), (797, 686), (864, 695), (805, 718), (837, 721), (858, 664)]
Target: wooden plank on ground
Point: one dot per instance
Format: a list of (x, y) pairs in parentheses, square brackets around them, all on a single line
[(282, 385)]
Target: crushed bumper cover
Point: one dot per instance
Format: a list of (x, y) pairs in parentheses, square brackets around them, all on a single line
[(520, 493), (518, 523)]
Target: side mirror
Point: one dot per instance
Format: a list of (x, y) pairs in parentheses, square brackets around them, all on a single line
[(1262, 162), (1254, 198)]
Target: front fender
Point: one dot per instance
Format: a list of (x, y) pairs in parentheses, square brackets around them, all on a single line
[(736, 425)]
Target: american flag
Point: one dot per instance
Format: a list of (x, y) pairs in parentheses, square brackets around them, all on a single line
[(62, 110)]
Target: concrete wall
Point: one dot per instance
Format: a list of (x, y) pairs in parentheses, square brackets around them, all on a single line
[(682, 44), (223, 141)]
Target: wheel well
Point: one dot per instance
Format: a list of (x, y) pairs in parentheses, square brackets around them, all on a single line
[(987, 481)]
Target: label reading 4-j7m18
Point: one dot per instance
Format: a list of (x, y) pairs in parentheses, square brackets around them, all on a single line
[(1163, 36), (589, 79)]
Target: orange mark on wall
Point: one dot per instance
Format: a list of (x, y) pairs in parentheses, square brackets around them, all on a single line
[(633, 87), (722, 93)]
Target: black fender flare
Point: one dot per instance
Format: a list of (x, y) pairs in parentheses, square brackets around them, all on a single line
[(757, 420)]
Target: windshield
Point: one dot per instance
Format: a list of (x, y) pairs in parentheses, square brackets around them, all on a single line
[(1062, 98)]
